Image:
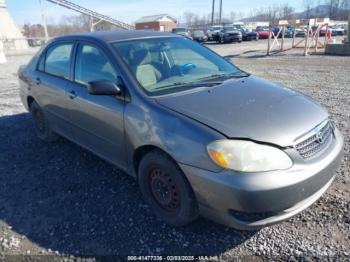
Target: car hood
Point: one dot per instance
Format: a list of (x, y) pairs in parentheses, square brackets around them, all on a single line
[(250, 108)]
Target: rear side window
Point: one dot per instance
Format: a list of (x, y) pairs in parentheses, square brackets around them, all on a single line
[(58, 60), (92, 65)]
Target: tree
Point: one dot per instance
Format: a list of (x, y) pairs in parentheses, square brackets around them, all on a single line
[(233, 16), (287, 11), (188, 15), (308, 5)]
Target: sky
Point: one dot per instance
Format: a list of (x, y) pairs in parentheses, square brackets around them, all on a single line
[(28, 11)]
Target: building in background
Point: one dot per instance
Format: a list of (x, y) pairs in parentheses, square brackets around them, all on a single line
[(162, 22), (10, 36)]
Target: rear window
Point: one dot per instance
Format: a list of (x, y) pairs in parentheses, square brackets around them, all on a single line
[(58, 60)]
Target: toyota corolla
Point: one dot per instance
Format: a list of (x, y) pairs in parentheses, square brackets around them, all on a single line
[(201, 136)]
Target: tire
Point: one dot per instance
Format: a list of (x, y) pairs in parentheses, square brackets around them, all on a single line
[(166, 189), (42, 126)]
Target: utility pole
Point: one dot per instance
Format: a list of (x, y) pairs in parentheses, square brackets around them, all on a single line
[(220, 12), (348, 38), (43, 20), (212, 12)]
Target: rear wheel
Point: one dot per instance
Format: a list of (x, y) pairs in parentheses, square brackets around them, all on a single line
[(42, 126), (167, 191)]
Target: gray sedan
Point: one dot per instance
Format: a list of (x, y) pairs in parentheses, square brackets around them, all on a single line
[(201, 136)]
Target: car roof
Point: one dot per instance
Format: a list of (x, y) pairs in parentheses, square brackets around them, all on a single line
[(114, 36)]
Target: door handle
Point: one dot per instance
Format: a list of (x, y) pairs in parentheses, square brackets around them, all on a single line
[(38, 80), (72, 94)]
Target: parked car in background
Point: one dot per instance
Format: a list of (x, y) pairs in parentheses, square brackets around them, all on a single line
[(198, 134), (323, 30), (199, 36), (249, 35), (229, 35), (276, 30), (263, 32), (213, 32), (337, 30), (238, 25), (181, 31), (288, 31), (300, 32), (35, 42)]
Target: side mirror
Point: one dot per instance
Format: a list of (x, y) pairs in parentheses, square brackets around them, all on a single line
[(104, 88)]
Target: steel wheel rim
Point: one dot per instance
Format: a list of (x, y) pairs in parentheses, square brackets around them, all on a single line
[(164, 190)]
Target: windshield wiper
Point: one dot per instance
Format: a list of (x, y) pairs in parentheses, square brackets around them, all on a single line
[(189, 84), (228, 75)]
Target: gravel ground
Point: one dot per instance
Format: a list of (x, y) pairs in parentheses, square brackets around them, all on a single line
[(60, 200)]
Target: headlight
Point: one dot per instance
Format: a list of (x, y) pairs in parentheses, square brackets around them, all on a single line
[(247, 156)]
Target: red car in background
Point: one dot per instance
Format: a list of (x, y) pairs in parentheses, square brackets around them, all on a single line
[(263, 32)]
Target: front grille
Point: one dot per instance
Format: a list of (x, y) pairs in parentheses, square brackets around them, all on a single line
[(316, 141)]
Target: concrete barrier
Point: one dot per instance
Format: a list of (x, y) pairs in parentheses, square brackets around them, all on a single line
[(338, 49), (2, 54)]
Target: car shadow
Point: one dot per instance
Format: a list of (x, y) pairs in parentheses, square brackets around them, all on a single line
[(64, 198)]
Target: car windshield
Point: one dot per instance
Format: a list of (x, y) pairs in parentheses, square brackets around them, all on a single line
[(198, 33), (171, 64), (179, 30), (228, 29)]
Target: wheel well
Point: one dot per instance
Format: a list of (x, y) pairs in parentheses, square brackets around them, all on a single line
[(140, 153), (30, 100)]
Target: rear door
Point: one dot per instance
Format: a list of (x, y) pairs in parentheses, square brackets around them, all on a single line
[(52, 77), (97, 121)]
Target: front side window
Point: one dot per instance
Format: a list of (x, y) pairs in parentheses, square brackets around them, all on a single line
[(92, 65), (166, 65), (58, 60)]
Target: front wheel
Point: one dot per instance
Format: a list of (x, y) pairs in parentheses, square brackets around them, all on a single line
[(42, 126), (166, 189)]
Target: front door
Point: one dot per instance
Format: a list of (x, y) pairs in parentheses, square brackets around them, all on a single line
[(97, 121)]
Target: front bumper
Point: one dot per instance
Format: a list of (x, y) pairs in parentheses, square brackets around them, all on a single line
[(232, 38), (263, 36), (250, 37), (269, 197)]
